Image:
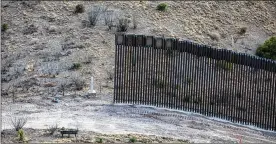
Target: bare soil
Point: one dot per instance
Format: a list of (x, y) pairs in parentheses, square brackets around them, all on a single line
[(99, 115)]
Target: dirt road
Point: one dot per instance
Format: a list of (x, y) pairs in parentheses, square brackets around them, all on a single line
[(101, 116)]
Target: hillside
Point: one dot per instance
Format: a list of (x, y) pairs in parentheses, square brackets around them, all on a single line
[(45, 40)]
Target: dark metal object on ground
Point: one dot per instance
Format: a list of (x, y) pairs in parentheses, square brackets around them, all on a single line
[(75, 132)]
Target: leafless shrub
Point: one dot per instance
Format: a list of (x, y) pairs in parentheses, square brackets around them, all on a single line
[(5, 78), (110, 75), (93, 15), (18, 122), (4, 70), (109, 19), (63, 84), (52, 52), (71, 45), (26, 84), (49, 70), (16, 72), (78, 83), (123, 25), (4, 92), (8, 90), (30, 29), (30, 4), (5, 53), (52, 128), (48, 56), (12, 73), (62, 88), (87, 59), (85, 23), (52, 90), (50, 84), (3, 133), (6, 63)]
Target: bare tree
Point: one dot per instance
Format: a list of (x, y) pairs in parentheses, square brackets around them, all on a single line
[(18, 123), (12, 90), (62, 86)]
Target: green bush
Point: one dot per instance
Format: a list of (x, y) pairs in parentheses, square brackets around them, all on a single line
[(75, 66), (21, 135), (268, 49), (99, 140), (79, 8), (225, 65), (162, 7), (4, 27), (132, 140)]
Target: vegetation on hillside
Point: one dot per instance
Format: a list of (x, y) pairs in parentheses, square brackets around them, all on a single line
[(268, 49), (162, 7)]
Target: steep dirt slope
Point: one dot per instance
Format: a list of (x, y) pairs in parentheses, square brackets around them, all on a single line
[(38, 30)]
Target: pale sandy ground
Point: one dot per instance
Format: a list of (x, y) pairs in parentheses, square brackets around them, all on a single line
[(101, 116)]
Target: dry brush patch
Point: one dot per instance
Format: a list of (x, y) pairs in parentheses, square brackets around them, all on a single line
[(38, 136), (18, 122)]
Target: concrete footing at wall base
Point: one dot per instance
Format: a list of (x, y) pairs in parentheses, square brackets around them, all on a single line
[(91, 94)]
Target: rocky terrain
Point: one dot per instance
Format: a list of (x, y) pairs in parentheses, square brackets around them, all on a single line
[(48, 49)]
